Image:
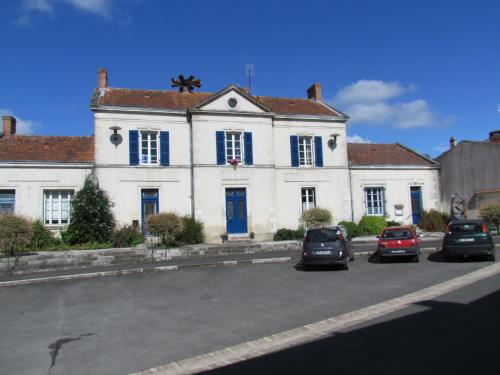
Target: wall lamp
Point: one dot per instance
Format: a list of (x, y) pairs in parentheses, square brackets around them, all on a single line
[(115, 138)]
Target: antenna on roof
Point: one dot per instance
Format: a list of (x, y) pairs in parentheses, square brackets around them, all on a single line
[(250, 71)]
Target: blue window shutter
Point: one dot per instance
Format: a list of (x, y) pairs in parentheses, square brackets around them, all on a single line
[(248, 148), (294, 150), (318, 150), (133, 139), (164, 148), (221, 149)]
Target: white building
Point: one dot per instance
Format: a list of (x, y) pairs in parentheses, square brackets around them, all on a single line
[(239, 163)]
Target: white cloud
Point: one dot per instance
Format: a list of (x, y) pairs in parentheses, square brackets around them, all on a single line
[(25, 127), (357, 139), (370, 91), (101, 8), (369, 102)]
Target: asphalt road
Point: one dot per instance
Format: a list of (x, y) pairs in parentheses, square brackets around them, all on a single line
[(458, 333), (119, 325)]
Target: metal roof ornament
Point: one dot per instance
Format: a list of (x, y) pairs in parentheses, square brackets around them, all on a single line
[(186, 85)]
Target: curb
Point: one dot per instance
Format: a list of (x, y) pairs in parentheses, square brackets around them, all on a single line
[(91, 275)]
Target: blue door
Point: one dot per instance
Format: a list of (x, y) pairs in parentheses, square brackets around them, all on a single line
[(416, 203), (149, 205), (236, 211)]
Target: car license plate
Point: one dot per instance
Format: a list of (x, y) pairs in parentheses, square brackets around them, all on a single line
[(398, 251), (466, 240), (322, 252)]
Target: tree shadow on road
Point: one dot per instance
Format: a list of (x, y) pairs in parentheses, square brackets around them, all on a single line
[(446, 338)]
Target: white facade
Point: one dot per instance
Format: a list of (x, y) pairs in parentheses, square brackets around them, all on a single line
[(170, 159)]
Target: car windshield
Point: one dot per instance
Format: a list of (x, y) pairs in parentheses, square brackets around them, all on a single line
[(322, 235), (404, 234), (466, 228)]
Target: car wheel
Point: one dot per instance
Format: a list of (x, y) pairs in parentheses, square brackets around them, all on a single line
[(492, 257), (448, 258), (346, 265), (381, 259), (416, 259)]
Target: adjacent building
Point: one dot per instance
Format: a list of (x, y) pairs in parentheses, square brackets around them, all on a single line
[(240, 163), (471, 170)]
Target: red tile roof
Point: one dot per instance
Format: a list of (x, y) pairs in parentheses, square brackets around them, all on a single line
[(47, 149), (160, 99), (383, 154)]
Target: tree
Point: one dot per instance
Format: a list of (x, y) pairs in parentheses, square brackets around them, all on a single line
[(91, 216), (490, 212), (15, 232)]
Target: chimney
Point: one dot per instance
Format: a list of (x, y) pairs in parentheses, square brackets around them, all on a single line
[(102, 78), (9, 125), (314, 92), (494, 136), (453, 142)]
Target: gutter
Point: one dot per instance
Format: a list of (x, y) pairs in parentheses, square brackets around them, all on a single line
[(191, 160)]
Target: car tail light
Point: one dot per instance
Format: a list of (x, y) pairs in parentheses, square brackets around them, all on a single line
[(341, 237), (485, 228), (381, 244), (448, 229)]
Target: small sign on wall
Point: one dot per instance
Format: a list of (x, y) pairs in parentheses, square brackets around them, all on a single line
[(398, 209)]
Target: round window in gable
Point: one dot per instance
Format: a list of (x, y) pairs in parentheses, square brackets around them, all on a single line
[(232, 103)]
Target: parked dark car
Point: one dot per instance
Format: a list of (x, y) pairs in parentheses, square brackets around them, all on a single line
[(399, 241), (468, 238), (326, 246)]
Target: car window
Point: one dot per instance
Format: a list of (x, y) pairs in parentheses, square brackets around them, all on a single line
[(399, 234), (466, 228), (322, 235)]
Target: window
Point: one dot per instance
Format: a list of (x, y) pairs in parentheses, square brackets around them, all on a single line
[(7, 201), (375, 201), (149, 147), (57, 205), (308, 198), (233, 146), (306, 150)]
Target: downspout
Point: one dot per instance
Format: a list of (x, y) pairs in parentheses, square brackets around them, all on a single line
[(350, 190), (191, 158)]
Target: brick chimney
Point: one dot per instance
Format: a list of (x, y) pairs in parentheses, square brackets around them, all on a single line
[(9, 125), (102, 78), (314, 92), (494, 136), (453, 142)]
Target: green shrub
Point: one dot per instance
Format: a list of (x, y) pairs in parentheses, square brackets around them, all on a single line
[(370, 225), (91, 216), (316, 217), (391, 223), (42, 237), (352, 228), (166, 225), (490, 213), (15, 233), (284, 234), (127, 236), (433, 221), (192, 232)]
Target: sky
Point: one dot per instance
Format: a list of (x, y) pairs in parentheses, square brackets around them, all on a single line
[(414, 72)]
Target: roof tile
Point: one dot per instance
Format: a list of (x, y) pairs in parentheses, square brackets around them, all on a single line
[(47, 149), (162, 99), (383, 154)]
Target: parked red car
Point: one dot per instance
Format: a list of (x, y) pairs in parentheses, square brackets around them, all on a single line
[(398, 242)]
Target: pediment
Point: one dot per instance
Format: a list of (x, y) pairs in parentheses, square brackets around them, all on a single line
[(232, 99)]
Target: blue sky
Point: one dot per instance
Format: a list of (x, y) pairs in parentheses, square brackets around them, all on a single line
[(415, 72)]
